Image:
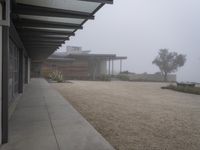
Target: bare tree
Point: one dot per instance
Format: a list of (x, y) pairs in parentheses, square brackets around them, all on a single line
[(169, 62)]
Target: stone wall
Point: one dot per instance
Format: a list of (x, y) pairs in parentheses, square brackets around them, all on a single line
[(70, 70)]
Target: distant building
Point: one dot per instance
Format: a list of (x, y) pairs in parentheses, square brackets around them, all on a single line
[(75, 50), (75, 63)]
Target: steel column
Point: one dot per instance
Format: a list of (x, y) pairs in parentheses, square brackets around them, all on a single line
[(109, 66), (120, 65), (26, 70), (21, 55), (5, 82), (112, 67)]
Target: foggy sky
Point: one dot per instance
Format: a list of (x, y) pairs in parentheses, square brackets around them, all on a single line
[(139, 28)]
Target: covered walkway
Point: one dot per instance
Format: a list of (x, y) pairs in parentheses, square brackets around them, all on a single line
[(44, 120)]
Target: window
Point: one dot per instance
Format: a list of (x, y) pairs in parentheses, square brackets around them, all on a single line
[(13, 71), (6, 14)]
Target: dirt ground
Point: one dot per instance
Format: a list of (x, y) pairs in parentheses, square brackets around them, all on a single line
[(137, 115)]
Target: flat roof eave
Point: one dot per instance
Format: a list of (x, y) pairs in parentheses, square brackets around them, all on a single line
[(44, 20)]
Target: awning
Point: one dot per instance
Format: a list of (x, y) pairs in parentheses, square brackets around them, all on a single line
[(44, 25)]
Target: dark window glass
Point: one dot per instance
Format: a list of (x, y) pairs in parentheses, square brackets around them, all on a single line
[(13, 71)]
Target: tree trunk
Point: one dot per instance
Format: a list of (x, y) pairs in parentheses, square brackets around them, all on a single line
[(165, 76)]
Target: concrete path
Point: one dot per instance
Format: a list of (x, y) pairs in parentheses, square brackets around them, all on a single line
[(44, 120)]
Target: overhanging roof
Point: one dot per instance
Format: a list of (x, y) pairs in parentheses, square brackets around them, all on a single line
[(92, 56), (61, 59), (44, 25), (63, 56)]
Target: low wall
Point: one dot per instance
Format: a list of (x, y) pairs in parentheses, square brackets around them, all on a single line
[(149, 77)]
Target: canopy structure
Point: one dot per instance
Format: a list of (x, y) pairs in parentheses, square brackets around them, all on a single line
[(30, 31), (44, 25)]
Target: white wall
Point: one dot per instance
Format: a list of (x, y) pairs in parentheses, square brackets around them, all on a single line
[(0, 68)]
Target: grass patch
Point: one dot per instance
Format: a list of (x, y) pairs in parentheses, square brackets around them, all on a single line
[(185, 89)]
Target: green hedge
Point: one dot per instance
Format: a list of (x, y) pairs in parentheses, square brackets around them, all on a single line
[(185, 89), (123, 77), (104, 78)]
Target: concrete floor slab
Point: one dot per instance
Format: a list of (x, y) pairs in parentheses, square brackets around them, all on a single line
[(33, 143), (30, 114), (32, 102), (44, 120)]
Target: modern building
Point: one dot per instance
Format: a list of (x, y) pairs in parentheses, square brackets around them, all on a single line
[(75, 63), (30, 31)]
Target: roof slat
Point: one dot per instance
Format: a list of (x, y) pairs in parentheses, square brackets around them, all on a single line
[(30, 38), (40, 41), (100, 1), (24, 9), (44, 36), (42, 46), (27, 31), (46, 24)]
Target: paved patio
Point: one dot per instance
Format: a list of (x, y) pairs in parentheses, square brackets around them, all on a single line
[(44, 120)]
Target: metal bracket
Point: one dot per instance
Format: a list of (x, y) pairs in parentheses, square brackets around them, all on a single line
[(6, 8)]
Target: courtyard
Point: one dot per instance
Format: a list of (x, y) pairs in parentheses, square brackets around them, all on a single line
[(137, 115)]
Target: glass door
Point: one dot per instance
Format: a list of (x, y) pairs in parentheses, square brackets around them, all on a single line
[(13, 71)]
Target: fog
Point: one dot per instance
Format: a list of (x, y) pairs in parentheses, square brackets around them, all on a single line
[(139, 28)]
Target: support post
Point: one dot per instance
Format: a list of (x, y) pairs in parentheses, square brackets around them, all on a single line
[(21, 55), (5, 82), (120, 65), (109, 67), (26, 70), (112, 67)]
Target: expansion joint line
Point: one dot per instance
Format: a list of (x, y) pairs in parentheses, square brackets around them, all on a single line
[(49, 116)]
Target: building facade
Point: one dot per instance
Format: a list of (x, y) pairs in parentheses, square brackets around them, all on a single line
[(75, 63)]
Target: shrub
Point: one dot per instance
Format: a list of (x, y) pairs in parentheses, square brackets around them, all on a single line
[(125, 72), (105, 78), (123, 77), (185, 89), (56, 76)]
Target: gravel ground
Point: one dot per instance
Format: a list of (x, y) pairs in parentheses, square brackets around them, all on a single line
[(137, 115)]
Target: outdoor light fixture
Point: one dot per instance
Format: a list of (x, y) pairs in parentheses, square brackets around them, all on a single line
[(5, 21)]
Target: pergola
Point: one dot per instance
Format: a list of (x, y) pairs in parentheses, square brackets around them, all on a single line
[(44, 25)]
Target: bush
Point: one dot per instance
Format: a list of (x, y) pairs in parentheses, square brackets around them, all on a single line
[(56, 76), (125, 72), (123, 77), (105, 78), (185, 89)]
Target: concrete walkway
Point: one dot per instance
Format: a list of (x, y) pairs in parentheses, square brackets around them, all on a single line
[(44, 120)]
